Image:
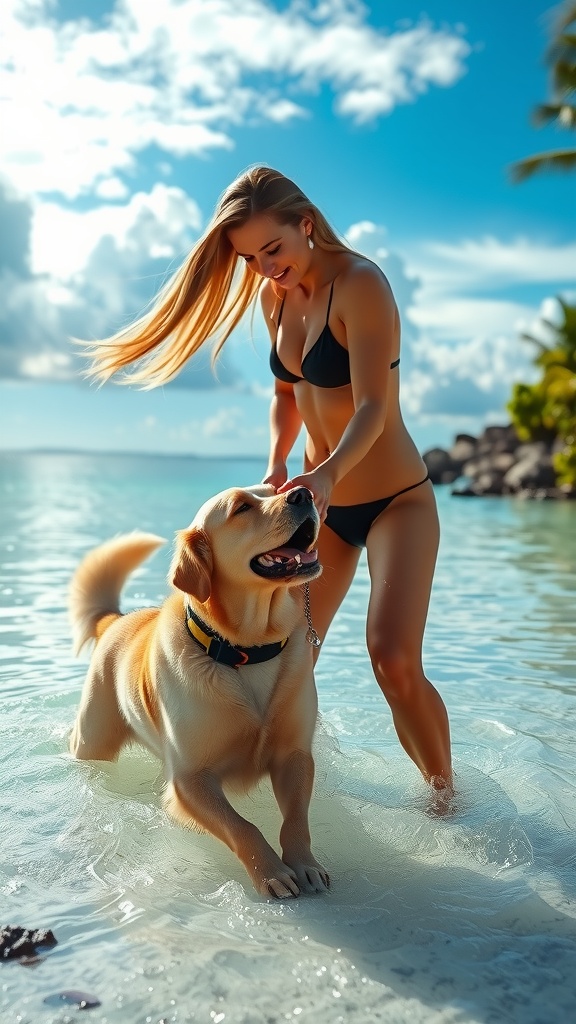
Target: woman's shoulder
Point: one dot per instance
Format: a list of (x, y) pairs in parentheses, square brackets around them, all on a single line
[(269, 299), (361, 280)]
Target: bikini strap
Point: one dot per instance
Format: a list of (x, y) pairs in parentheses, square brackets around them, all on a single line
[(330, 301)]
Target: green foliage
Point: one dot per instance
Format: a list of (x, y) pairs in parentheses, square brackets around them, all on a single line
[(546, 411), (561, 111), (565, 465)]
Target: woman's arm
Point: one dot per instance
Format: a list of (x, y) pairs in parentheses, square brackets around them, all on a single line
[(285, 424), (285, 420)]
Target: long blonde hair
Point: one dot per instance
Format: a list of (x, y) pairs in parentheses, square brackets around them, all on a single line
[(201, 300)]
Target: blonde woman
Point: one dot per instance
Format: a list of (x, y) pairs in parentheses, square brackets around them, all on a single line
[(335, 354)]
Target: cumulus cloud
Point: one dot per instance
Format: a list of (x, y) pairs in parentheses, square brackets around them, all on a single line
[(475, 264), (227, 422), (461, 351), (370, 239), (461, 329), (470, 353), (455, 281), (106, 266), (473, 378), (87, 96)]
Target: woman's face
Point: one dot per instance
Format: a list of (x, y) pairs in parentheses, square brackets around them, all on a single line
[(278, 251)]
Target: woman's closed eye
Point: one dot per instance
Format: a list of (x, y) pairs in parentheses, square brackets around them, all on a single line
[(270, 252)]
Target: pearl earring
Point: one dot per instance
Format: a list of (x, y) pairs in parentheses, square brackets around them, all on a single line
[(310, 242)]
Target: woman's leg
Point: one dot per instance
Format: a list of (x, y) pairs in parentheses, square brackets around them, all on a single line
[(402, 547), (339, 561)]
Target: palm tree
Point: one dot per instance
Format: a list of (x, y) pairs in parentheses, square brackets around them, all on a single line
[(561, 110), (546, 410)]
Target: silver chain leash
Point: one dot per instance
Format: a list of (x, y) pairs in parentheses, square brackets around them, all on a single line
[(311, 635)]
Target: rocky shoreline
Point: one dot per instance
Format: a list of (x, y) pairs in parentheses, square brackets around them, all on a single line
[(497, 463)]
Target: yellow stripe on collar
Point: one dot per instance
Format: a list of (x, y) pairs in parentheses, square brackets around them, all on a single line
[(223, 651)]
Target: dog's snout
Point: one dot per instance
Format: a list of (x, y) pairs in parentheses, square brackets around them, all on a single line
[(299, 496)]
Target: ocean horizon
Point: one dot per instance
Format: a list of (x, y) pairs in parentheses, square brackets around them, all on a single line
[(468, 918)]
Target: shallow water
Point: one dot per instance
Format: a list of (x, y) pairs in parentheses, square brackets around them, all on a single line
[(465, 918)]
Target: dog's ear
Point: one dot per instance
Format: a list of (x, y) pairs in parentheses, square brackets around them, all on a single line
[(191, 569)]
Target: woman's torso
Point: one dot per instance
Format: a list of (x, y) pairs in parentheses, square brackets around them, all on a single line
[(309, 337)]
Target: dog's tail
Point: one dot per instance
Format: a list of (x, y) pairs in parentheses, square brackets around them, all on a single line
[(94, 600)]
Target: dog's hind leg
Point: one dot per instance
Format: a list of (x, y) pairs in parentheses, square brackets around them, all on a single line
[(100, 730), (198, 799)]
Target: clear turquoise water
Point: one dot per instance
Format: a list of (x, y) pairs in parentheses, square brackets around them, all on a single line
[(470, 918)]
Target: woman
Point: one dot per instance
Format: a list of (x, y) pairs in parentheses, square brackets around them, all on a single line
[(335, 335)]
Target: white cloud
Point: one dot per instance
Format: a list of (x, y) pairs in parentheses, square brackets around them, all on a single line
[(68, 273), (470, 288), (358, 234), (86, 273), (153, 225), (85, 98), (476, 264), (228, 427), (282, 110), (225, 421), (111, 188), (461, 321), (46, 365), (453, 317)]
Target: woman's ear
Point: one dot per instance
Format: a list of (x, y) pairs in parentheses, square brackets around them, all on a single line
[(307, 225)]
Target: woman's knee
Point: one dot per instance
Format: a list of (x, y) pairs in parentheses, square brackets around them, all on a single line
[(397, 670)]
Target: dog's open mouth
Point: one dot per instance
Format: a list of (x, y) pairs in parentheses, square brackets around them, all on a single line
[(294, 558)]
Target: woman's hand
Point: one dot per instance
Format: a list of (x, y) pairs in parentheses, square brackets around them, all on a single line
[(319, 482), (276, 475)]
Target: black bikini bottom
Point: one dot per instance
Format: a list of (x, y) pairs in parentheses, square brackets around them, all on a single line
[(352, 522)]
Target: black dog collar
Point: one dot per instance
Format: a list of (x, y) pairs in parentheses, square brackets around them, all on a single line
[(222, 651)]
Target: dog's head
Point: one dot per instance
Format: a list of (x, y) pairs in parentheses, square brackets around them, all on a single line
[(248, 537)]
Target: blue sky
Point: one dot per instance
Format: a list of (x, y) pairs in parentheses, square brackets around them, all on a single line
[(126, 120)]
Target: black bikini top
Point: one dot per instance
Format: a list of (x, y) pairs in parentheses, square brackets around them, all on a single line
[(326, 365)]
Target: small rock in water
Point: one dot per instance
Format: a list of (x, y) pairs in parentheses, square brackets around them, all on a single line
[(81, 1000), (16, 942)]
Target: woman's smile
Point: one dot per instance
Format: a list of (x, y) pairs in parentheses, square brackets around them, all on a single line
[(280, 277)]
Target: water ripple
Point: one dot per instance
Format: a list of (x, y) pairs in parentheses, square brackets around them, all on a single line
[(466, 918)]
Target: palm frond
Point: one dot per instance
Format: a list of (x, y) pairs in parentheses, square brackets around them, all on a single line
[(556, 160), (564, 75), (534, 341), (562, 47), (566, 15), (564, 113)]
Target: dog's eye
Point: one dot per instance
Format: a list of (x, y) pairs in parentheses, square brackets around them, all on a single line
[(244, 507)]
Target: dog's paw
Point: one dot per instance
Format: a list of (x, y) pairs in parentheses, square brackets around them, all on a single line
[(284, 887), (275, 879), (310, 875)]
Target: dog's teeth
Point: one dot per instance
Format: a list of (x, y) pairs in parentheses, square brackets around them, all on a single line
[(297, 558)]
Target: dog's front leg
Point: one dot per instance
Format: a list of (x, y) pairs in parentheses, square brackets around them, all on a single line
[(292, 780), (198, 799)]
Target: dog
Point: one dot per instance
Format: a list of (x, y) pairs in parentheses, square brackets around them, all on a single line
[(218, 682)]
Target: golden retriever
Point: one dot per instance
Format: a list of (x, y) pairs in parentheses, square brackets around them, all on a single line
[(189, 680)]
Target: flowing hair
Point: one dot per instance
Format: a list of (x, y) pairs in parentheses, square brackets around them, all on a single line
[(206, 298)]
